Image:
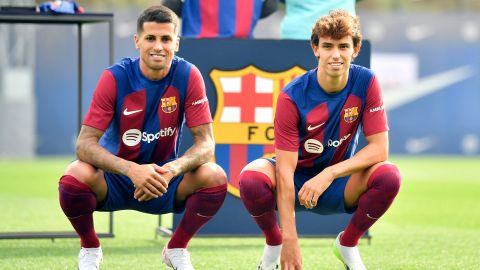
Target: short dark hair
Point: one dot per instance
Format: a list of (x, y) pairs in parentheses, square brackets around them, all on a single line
[(159, 14), (337, 24)]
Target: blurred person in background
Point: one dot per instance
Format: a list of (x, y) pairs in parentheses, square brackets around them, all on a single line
[(220, 18), (318, 120), (128, 145), (301, 15)]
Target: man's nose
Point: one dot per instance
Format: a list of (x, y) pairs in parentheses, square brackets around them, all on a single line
[(336, 53), (158, 45)]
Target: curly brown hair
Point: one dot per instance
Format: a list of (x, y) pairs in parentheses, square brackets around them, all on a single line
[(337, 24)]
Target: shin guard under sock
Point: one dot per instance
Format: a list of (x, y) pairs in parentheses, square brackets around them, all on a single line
[(257, 195), (383, 186), (78, 203), (200, 207)]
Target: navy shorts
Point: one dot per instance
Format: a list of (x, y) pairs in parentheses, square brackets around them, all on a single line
[(120, 197), (332, 201)]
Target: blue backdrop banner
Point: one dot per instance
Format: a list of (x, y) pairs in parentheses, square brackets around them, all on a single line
[(243, 79)]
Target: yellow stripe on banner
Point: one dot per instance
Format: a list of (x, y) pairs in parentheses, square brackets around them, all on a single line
[(233, 190), (243, 133)]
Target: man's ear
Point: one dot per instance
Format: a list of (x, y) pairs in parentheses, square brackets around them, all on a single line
[(135, 40), (314, 49), (356, 51), (177, 47)]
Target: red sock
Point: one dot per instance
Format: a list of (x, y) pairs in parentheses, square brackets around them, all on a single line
[(78, 203), (257, 196), (383, 186), (200, 207)]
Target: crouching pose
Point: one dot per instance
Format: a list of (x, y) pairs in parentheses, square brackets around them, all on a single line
[(318, 119), (128, 145)]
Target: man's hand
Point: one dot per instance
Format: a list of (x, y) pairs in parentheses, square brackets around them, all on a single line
[(291, 258), (148, 182), (314, 188)]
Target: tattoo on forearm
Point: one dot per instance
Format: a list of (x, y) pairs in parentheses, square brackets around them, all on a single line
[(199, 153), (88, 150)]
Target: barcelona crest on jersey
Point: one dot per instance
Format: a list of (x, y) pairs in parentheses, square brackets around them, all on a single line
[(351, 114), (169, 104)]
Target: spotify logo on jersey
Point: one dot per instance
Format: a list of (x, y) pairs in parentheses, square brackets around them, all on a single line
[(132, 137), (313, 146)]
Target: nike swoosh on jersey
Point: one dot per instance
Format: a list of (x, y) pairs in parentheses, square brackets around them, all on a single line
[(126, 112), (310, 128)]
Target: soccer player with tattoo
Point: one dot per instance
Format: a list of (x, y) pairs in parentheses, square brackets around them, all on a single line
[(318, 120), (128, 145)]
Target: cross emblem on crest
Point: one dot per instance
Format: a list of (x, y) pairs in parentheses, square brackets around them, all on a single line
[(243, 121)]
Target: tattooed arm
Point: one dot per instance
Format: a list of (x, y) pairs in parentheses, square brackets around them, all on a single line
[(199, 153), (89, 151), (143, 176)]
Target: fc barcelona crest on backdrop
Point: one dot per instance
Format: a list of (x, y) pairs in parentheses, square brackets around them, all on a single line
[(169, 104), (351, 114), (243, 121)]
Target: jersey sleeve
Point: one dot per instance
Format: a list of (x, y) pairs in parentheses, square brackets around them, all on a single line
[(102, 106), (286, 124), (197, 109), (374, 118)]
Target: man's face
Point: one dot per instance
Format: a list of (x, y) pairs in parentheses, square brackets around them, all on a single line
[(335, 55), (157, 44)]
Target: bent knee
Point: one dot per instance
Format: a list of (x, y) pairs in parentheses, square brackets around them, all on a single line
[(251, 179), (211, 175), (262, 166), (83, 172), (256, 192), (386, 177)]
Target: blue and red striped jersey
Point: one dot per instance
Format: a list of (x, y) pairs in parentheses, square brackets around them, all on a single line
[(322, 127), (220, 18), (143, 119)]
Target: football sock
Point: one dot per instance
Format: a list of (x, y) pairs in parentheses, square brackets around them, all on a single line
[(78, 203), (200, 207), (383, 185), (257, 195), (271, 254)]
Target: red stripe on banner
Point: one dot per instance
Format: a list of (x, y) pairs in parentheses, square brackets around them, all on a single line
[(238, 160), (268, 149), (243, 18), (208, 18), (248, 99)]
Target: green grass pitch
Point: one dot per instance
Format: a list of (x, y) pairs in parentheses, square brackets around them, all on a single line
[(433, 224)]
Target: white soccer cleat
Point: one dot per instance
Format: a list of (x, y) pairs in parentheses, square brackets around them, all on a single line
[(272, 266), (177, 258), (90, 258), (349, 256)]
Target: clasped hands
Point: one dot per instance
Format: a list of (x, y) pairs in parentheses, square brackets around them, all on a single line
[(150, 181)]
